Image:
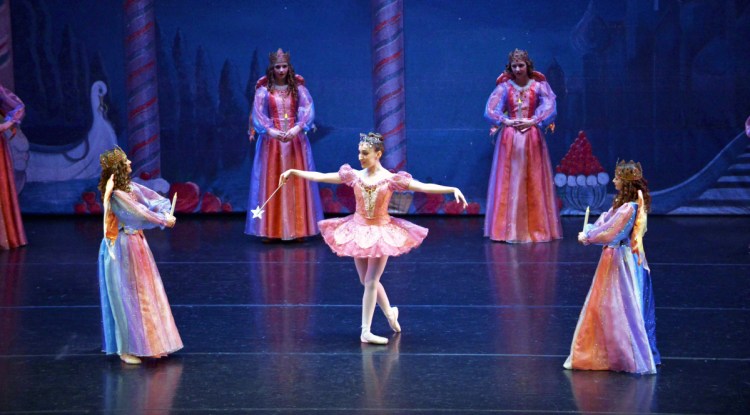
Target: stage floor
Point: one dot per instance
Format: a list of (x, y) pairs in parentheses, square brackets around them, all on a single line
[(274, 328)]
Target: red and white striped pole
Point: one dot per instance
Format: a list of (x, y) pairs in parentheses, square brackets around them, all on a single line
[(388, 79), (142, 91)]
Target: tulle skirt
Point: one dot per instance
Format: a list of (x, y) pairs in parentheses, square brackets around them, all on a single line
[(358, 237)]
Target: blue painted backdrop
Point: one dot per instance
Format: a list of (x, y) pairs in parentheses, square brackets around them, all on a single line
[(660, 81)]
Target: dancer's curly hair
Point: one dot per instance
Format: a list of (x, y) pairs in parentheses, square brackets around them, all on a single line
[(631, 181), (114, 162)]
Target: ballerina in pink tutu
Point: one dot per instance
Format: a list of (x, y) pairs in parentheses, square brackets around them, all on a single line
[(370, 235)]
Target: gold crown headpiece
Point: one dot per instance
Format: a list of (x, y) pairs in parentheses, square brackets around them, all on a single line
[(371, 138), (110, 158), (518, 55), (628, 171), (279, 56)]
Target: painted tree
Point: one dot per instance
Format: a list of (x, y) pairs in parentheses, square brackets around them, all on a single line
[(231, 121), (168, 110), (205, 117), (186, 109)]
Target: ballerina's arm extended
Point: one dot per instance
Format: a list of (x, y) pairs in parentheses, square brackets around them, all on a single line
[(310, 175), (417, 186)]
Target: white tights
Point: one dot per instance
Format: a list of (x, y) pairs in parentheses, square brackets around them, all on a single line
[(370, 270)]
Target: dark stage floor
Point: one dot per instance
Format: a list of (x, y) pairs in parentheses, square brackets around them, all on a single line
[(274, 328)]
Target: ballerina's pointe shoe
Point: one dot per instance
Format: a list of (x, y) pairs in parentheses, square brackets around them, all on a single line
[(130, 359), (367, 337), (393, 320)]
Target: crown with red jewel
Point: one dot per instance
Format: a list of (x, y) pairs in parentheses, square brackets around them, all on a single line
[(278, 57), (518, 55), (628, 171)]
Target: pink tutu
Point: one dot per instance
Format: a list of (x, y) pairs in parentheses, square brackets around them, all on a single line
[(371, 232), (353, 236)]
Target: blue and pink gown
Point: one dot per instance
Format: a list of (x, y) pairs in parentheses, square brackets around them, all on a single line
[(611, 333), (295, 210), (12, 234), (521, 205), (136, 316)]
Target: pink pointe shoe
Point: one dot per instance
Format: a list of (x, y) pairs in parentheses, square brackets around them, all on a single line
[(367, 337), (393, 320)]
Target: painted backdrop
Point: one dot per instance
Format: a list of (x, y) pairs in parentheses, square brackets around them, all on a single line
[(659, 81)]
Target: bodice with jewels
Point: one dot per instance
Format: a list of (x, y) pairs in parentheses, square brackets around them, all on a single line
[(522, 101), (281, 108), (372, 198)]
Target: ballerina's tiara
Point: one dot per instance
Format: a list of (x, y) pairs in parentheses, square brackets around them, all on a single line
[(371, 138), (112, 157), (629, 171)]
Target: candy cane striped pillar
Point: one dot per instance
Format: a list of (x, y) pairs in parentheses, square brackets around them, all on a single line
[(143, 106), (388, 79), (6, 46)]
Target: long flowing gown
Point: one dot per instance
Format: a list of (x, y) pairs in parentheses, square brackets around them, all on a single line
[(295, 210), (136, 316), (12, 234), (521, 204), (370, 232), (611, 332)]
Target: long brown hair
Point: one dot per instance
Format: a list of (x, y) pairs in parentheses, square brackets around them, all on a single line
[(122, 178), (291, 80), (629, 193)]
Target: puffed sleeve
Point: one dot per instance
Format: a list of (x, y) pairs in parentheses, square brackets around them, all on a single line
[(306, 109), (146, 211), (261, 120), (494, 111), (11, 106), (547, 110), (615, 227), (400, 181), (347, 175)]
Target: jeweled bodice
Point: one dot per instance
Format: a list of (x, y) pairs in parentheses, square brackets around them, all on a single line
[(281, 108), (522, 101), (372, 198)]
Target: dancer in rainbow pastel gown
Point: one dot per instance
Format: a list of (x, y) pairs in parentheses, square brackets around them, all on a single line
[(371, 235), (521, 203), (136, 316), (616, 328), (283, 112)]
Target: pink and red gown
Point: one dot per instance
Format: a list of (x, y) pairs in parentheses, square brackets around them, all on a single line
[(521, 204), (136, 316), (611, 333), (296, 209), (12, 234), (370, 232)]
